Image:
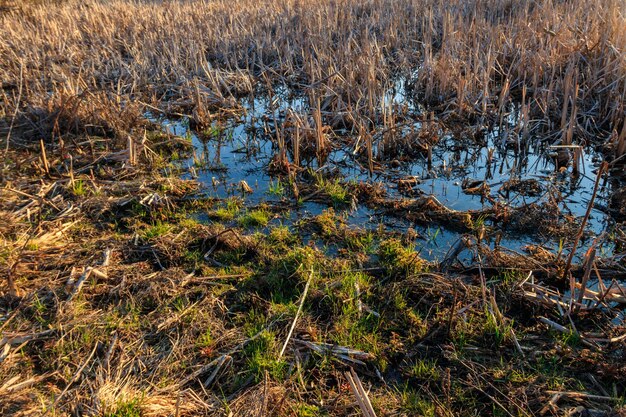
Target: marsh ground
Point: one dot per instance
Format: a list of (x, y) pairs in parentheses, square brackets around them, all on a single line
[(222, 208)]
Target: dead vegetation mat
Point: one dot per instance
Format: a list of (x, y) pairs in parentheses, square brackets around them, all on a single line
[(115, 301)]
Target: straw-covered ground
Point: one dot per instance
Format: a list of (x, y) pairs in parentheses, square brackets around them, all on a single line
[(117, 301)]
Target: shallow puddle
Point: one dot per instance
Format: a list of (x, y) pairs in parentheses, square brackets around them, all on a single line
[(241, 149)]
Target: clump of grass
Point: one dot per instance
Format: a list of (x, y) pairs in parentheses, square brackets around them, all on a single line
[(281, 235), (408, 316), (223, 214), (227, 212), (262, 354), (499, 331), (326, 224), (78, 188), (415, 404), (569, 338), (213, 132), (359, 241), (336, 191), (155, 230), (205, 339), (397, 257), (276, 188), (254, 218), (424, 369), (307, 410), (131, 408), (286, 271)]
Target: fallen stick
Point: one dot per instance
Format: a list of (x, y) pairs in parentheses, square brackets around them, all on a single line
[(608, 340), (564, 329), (80, 283), (10, 386), (341, 352), (19, 339), (218, 366), (554, 325), (583, 395), (165, 324)]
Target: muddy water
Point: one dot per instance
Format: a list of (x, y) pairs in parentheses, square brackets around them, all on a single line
[(241, 151)]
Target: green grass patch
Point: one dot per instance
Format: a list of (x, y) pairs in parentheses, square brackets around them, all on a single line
[(398, 258), (79, 188), (334, 189), (130, 408), (261, 357), (254, 218), (155, 230)]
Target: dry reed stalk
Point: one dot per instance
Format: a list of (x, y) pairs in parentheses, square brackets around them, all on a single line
[(590, 257), (319, 132), (44, 158), (572, 119), (75, 378), (295, 319), (16, 109), (364, 134), (359, 392), (568, 265), (296, 146)]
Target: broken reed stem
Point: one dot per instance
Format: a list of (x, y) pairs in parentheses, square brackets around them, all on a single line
[(566, 98), (131, 151), (577, 160), (572, 120), (584, 395), (17, 107), (280, 138), (319, 135), (295, 319), (588, 264), (296, 146), (369, 147), (44, 158), (568, 265), (621, 143), (219, 360)]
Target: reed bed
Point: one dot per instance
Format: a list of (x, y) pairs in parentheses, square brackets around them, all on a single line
[(560, 64)]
